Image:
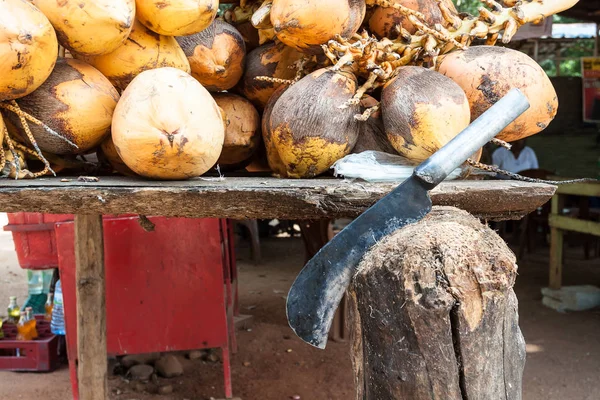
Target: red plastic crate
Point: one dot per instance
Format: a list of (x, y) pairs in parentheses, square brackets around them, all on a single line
[(39, 355), (34, 238)]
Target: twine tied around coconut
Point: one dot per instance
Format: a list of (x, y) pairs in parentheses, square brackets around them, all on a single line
[(13, 107)]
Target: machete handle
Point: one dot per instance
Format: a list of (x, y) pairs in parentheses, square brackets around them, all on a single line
[(437, 167)]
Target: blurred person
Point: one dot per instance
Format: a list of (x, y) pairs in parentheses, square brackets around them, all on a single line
[(519, 158)]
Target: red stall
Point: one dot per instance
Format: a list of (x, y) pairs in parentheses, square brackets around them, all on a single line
[(169, 289)]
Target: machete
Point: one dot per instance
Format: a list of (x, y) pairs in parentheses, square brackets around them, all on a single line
[(320, 286)]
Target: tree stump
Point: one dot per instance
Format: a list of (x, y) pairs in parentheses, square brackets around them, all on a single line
[(434, 315)]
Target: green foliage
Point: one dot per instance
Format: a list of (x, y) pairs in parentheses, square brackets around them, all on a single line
[(469, 6), (571, 67)]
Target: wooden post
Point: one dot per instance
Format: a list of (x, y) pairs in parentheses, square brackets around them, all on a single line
[(556, 245), (91, 310), (434, 315), (597, 41)]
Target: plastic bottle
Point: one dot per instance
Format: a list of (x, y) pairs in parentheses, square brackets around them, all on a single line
[(57, 322), (14, 311)]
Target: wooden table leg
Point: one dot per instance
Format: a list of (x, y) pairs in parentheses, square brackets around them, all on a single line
[(91, 307), (556, 246), (556, 257)]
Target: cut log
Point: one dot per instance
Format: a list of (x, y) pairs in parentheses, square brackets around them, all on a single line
[(434, 315)]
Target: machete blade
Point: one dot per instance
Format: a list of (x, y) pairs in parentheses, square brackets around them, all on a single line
[(320, 286)]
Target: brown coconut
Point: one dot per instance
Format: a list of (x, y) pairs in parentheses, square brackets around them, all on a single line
[(422, 111), (250, 35), (28, 48), (308, 129), (372, 133), (384, 21), (90, 27), (167, 126), (307, 24), (76, 101), (272, 155), (487, 73), (176, 17), (273, 60), (143, 50), (242, 131), (216, 55)]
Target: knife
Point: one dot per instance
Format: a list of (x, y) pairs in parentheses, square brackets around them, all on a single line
[(320, 286)]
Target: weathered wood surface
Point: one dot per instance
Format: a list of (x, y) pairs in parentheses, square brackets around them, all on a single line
[(257, 197), (434, 315), (91, 310)]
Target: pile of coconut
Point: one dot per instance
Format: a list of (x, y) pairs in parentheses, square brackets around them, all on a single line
[(172, 90)]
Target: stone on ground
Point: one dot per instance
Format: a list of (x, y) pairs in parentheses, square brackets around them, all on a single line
[(168, 366), (140, 372), (196, 354), (135, 359)]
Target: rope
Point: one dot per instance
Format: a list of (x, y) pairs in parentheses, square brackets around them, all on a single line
[(518, 177), (25, 125), (32, 153), (16, 161), (275, 80), (14, 107), (2, 154)]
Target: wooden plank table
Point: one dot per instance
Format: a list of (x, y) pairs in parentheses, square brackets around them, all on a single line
[(560, 224), (237, 198)]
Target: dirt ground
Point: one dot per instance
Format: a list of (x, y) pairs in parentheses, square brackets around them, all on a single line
[(563, 350)]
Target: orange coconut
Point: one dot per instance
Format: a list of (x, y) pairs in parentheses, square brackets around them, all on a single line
[(167, 126), (76, 101), (28, 48), (242, 133), (307, 24), (216, 55), (422, 110), (176, 17), (487, 73), (90, 27), (143, 50), (384, 21)]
